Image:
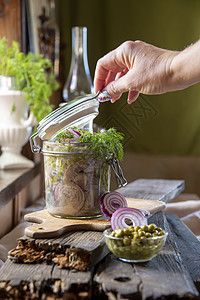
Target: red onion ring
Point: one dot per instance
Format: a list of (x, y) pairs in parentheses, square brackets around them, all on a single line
[(111, 201), (122, 215)]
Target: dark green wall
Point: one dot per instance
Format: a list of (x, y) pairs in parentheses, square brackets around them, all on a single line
[(162, 124)]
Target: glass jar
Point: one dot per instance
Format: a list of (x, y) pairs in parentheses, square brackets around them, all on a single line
[(75, 179)]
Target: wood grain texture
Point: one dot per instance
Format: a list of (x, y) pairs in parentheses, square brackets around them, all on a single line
[(34, 280), (13, 181), (87, 240), (50, 226), (89, 243), (189, 247), (161, 278), (151, 205), (155, 189), (11, 20), (39, 281)]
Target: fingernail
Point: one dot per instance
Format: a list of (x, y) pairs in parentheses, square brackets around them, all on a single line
[(104, 96), (130, 101)]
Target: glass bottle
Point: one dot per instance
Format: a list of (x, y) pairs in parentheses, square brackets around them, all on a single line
[(79, 82)]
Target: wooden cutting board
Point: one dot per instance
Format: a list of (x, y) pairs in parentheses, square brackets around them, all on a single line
[(49, 226), (151, 205)]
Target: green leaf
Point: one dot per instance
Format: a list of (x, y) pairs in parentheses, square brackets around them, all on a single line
[(34, 75)]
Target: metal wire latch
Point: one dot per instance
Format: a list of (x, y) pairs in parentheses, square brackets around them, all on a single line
[(120, 179)]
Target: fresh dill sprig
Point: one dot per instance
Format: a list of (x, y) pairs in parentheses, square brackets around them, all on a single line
[(101, 142), (66, 134), (109, 141)]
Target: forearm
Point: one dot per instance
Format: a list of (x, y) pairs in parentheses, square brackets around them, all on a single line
[(185, 67)]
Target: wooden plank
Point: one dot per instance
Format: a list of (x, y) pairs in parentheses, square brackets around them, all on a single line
[(162, 277), (155, 189), (40, 280), (189, 247), (13, 181), (44, 278), (79, 250)]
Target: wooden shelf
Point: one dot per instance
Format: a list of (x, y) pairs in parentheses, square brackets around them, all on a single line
[(13, 181)]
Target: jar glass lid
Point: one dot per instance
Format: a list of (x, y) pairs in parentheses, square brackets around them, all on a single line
[(79, 112)]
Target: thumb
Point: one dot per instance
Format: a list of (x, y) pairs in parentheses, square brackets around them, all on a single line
[(116, 87)]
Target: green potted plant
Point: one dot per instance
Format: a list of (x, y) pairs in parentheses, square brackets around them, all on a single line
[(26, 84), (33, 74)]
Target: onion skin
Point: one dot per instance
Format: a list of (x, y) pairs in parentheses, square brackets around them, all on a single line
[(111, 201), (121, 215)]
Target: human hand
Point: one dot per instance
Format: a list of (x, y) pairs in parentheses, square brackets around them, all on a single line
[(135, 67)]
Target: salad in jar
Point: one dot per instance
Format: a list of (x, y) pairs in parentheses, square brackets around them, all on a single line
[(77, 171)]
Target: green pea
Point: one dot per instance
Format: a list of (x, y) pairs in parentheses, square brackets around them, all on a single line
[(151, 227), (147, 234), (160, 233), (139, 248), (141, 233), (127, 231), (133, 244), (145, 252), (119, 243), (112, 234), (136, 236), (144, 228), (127, 241), (119, 233), (151, 242), (136, 228)]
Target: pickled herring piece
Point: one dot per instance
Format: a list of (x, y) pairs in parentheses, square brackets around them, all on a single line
[(75, 173), (69, 196)]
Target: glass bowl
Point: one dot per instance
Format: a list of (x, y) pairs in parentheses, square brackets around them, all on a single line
[(134, 250)]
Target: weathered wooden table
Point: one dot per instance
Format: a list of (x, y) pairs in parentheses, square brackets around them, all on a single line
[(173, 274)]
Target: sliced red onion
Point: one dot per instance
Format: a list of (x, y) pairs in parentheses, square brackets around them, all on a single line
[(125, 217), (111, 201), (75, 132)]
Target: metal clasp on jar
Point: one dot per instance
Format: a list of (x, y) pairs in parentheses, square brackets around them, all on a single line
[(35, 148), (114, 163)]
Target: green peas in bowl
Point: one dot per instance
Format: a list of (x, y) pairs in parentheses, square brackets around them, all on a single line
[(136, 244)]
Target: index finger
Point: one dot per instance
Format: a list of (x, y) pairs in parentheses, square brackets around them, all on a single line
[(100, 78), (104, 66)]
